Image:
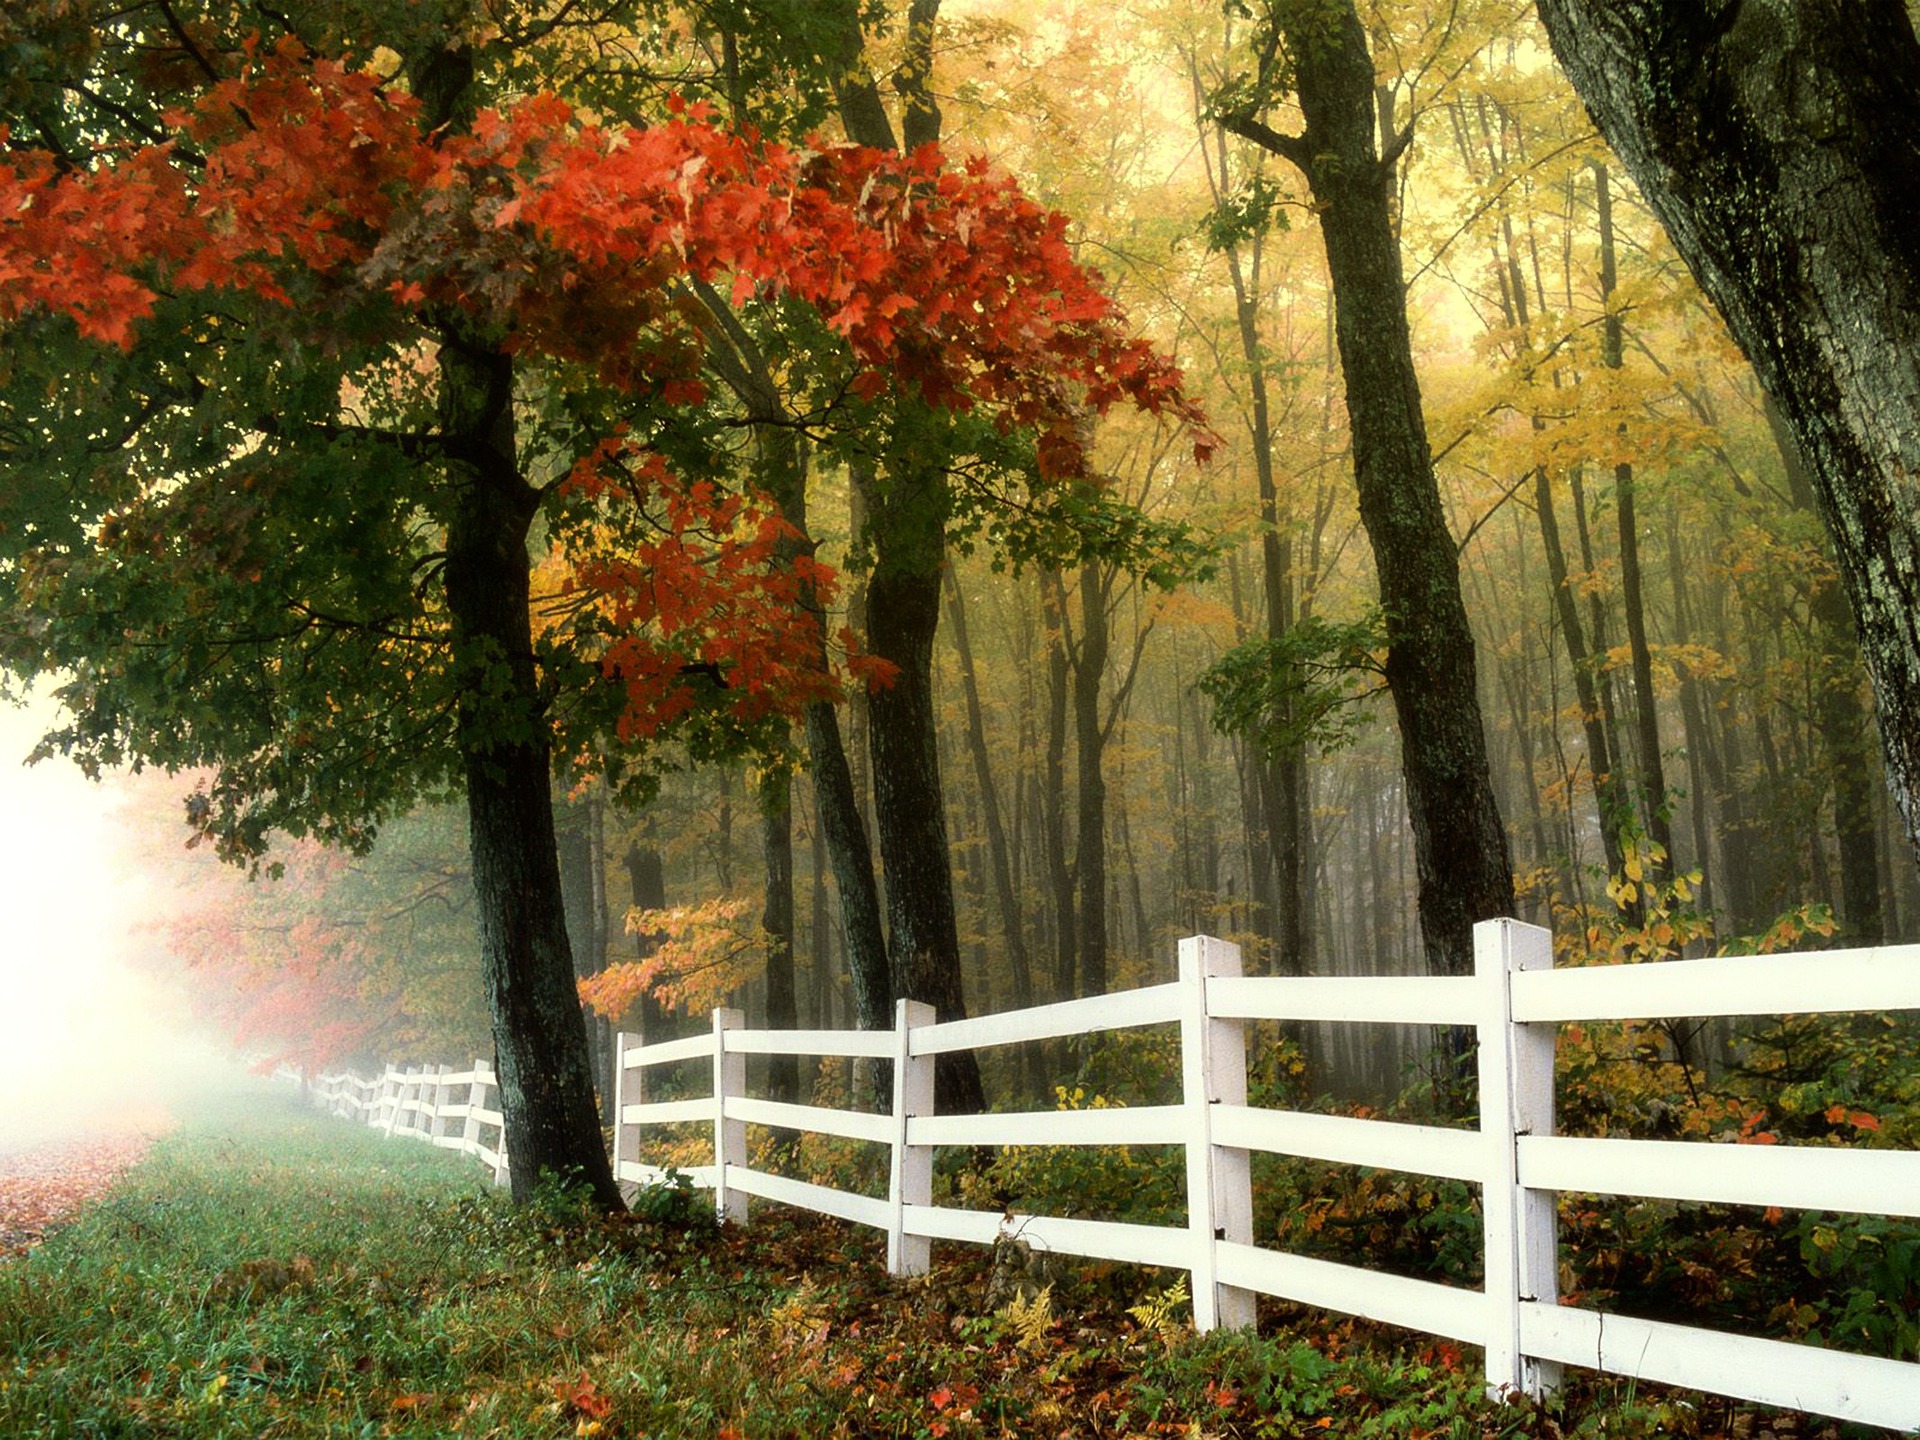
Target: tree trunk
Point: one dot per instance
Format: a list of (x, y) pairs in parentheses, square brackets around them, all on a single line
[(540, 1040), (1653, 772), (1282, 777), (1090, 781), (783, 470), (647, 885), (851, 856), (1780, 145), (908, 516), (998, 860), (904, 613), (1053, 788), (584, 900), (820, 1008), (1702, 776), (776, 919), (1459, 842), (1612, 805)]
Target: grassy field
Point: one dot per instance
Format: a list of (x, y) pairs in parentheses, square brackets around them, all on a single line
[(270, 1272)]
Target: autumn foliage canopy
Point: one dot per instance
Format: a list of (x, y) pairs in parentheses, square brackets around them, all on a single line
[(312, 186)]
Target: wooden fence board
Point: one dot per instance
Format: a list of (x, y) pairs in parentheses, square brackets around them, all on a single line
[(1119, 1125), (850, 1124), (1351, 1290), (1383, 1144), (1861, 1388), (861, 1209), (1804, 1177), (1153, 1005), (1883, 978), (1380, 999)]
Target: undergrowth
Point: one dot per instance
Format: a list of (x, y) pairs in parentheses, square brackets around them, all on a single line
[(277, 1273)]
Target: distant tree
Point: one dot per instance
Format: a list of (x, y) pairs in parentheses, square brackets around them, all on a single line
[(344, 960)]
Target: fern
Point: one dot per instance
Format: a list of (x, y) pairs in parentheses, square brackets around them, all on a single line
[(1029, 1319), (1157, 1312)]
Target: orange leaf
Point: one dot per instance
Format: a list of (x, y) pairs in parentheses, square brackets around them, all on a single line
[(583, 1397)]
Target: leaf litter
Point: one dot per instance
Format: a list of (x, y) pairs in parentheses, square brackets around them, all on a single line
[(44, 1186)]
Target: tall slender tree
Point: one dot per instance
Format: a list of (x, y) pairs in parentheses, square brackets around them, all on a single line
[(1317, 51)]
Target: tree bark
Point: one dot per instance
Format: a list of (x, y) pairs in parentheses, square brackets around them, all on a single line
[(907, 519), (1460, 845), (540, 1040), (1780, 145), (903, 598), (851, 855), (647, 887), (776, 919), (998, 859), (1090, 788), (1613, 807), (584, 900), (1053, 788), (1282, 777), (1653, 771)]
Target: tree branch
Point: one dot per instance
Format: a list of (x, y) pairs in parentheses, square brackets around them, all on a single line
[(1288, 147)]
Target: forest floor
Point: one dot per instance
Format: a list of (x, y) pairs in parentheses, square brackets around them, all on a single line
[(268, 1271), (45, 1185)]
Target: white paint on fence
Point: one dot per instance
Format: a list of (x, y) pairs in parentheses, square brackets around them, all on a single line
[(1831, 981), (1803, 1177), (1115, 1125), (1381, 999), (1513, 1002), (1342, 1139), (1861, 1388)]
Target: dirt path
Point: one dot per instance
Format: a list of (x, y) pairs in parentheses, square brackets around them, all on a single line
[(43, 1186)]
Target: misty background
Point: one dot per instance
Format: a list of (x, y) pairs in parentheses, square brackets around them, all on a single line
[(88, 1039)]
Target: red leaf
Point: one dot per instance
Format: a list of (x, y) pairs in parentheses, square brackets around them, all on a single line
[(582, 1397)]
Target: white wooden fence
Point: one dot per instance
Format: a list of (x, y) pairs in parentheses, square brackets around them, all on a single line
[(1514, 1001), (448, 1108)]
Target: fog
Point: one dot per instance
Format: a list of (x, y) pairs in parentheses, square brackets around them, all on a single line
[(87, 1042)]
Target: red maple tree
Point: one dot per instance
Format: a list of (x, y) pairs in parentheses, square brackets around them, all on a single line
[(457, 269), (312, 185)]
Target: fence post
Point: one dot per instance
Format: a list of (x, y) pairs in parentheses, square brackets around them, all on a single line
[(392, 1087), (910, 1176), (1213, 1071), (729, 1136), (436, 1122), (503, 1161), (1516, 1098), (626, 1137), (426, 1095), (407, 1112), (476, 1096)]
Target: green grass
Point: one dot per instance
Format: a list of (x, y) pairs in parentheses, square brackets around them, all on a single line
[(271, 1272)]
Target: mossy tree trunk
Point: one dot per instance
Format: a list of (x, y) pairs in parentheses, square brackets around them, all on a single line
[(1780, 145), (540, 1037)]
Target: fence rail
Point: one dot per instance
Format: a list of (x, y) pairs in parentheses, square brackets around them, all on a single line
[(1514, 1001)]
